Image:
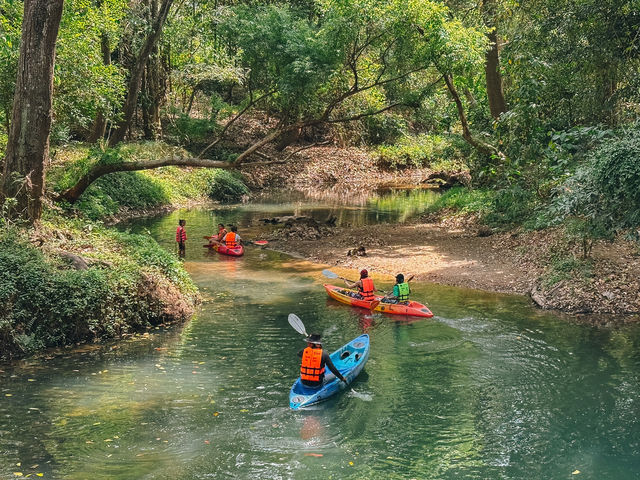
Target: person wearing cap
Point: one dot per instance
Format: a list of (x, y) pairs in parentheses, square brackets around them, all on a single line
[(314, 359), (400, 292), (364, 285)]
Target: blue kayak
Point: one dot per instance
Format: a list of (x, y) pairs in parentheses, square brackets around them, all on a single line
[(349, 361)]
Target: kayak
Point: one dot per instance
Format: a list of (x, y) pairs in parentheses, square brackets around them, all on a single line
[(349, 360), (223, 249), (415, 309)]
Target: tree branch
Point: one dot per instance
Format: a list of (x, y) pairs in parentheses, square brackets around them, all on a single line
[(251, 103)]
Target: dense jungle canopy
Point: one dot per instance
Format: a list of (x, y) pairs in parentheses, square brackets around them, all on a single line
[(538, 100)]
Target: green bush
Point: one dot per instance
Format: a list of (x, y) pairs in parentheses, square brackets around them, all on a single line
[(383, 129), (189, 130), (439, 152), (227, 187), (45, 303), (616, 171), (464, 200)]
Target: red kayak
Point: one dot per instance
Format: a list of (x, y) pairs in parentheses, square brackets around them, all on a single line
[(236, 251), (415, 309)]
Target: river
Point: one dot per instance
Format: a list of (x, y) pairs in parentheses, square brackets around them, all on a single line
[(490, 388)]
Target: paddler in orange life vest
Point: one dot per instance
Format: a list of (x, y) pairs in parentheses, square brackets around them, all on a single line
[(219, 236), (232, 239), (314, 359), (364, 285)]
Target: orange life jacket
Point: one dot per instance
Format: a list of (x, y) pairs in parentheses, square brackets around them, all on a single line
[(310, 369), (367, 289), (230, 239)]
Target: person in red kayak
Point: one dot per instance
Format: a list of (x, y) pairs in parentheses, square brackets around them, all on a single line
[(364, 285), (219, 236), (314, 359), (181, 237), (232, 239)]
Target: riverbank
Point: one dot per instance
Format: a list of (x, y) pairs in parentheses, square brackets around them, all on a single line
[(67, 282), (461, 252)]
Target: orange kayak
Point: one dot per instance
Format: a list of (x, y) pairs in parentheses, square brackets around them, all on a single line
[(415, 309)]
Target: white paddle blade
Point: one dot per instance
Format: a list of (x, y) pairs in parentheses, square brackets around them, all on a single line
[(297, 324), (329, 274)]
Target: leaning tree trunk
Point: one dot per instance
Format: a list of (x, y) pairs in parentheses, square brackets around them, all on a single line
[(135, 80), (479, 145), (28, 143)]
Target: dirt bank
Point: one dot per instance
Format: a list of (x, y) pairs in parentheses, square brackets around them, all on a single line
[(457, 252)]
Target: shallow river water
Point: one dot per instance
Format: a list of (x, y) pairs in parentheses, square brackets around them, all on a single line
[(490, 388)]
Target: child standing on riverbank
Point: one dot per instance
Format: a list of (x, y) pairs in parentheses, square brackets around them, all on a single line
[(181, 237)]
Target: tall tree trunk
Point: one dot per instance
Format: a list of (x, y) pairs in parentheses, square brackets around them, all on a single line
[(100, 123), (497, 104), (135, 79), (28, 143), (495, 94)]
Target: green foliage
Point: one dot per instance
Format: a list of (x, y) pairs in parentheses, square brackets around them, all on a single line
[(83, 83), (189, 131), (616, 168), (439, 152), (46, 303), (227, 187), (10, 32), (464, 200), (601, 197), (384, 129)]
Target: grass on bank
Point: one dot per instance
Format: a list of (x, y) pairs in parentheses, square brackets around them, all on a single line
[(131, 283)]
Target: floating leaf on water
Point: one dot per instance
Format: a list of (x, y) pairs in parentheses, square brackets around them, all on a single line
[(31, 379), (97, 423), (33, 467), (313, 455), (575, 472), (8, 394), (17, 474), (40, 474), (351, 463), (18, 464), (88, 441), (108, 440), (215, 414), (244, 410)]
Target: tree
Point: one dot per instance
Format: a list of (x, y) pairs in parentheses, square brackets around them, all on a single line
[(28, 143), (495, 95), (341, 69), (136, 74)]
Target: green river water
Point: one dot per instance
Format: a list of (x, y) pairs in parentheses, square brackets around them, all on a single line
[(490, 388)]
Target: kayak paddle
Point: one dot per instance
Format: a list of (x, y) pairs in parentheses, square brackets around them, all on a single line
[(297, 324), (330, 274)]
